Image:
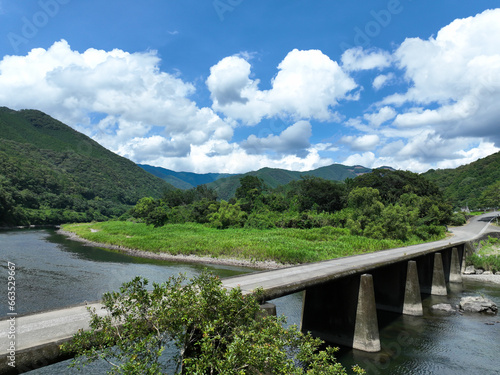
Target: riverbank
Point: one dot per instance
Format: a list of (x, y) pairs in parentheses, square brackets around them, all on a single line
[(261, 265), (255, 248)]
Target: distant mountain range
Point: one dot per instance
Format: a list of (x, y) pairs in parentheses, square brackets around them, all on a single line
[(183, 180), (226, 184)]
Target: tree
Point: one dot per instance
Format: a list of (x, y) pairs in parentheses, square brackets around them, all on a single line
[(215, 331), (320, 194), (250, 188), (226, 215), (393, 184), (491, 196)]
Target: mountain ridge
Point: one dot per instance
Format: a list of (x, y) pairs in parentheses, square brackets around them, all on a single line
[(226, 184), (50, 173)]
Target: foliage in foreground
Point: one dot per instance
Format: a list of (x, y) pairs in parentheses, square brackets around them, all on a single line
[(214, 331)]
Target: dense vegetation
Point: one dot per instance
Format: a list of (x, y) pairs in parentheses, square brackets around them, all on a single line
[(50, 173), (488, 256), (210, 330), (383, 204), (476, 185)]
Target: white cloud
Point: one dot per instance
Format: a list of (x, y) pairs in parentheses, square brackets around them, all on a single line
[(382, 80), (228, 79), (292, 140), (307, 86), (367, 159), (383, 115), (458, 72), (238, 160), (359, 59), (128, 89), (361, 143)]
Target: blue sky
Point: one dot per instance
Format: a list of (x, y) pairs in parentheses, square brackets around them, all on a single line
[(237, 85)]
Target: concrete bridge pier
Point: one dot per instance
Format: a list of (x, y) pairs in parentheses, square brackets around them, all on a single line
[(412, 300), (455, 269), (366, 335), (438, 280), (343, 312), (397, 288)]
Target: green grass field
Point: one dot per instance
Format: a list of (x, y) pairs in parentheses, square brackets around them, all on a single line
[(287, 246)]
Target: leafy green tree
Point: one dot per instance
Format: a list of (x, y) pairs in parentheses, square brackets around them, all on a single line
[(392, 184), (250, 188), (226, 215), (320, 194), (144, 207), (214, 331), (491, 196), (364, 210)]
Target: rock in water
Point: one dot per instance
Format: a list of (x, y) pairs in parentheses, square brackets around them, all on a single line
[(478, 305), (444, 307), (470, 270)]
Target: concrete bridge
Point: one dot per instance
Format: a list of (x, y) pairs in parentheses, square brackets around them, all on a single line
[(391, 280)]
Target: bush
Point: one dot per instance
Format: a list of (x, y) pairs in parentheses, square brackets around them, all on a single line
[(458, 219), (487, 263)]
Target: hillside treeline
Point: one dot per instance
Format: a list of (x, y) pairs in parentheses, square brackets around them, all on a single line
[(382, 204), (475, 186), (51, 174)]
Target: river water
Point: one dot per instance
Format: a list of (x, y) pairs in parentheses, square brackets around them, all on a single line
[(54, 272)]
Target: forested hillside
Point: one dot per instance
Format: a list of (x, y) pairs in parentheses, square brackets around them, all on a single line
[(50, 173), (476, 185)]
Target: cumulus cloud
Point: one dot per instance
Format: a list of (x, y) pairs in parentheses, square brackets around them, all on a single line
[(383, 115), (292, 140), (458, 72), (307, 86), (228, 79), (238, 160), (360, 59), (382, 80), (361, 143), (449, 114), (127, 89)]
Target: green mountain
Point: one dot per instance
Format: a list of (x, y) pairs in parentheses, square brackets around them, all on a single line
[(183, 180), (464, 185), (272, 177), (50, 173)]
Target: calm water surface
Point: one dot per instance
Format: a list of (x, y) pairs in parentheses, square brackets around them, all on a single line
[(54, 272)]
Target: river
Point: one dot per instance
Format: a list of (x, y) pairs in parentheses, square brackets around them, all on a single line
[(54, 272)]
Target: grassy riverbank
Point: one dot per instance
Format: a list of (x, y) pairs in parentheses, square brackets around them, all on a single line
[(287, 246)]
